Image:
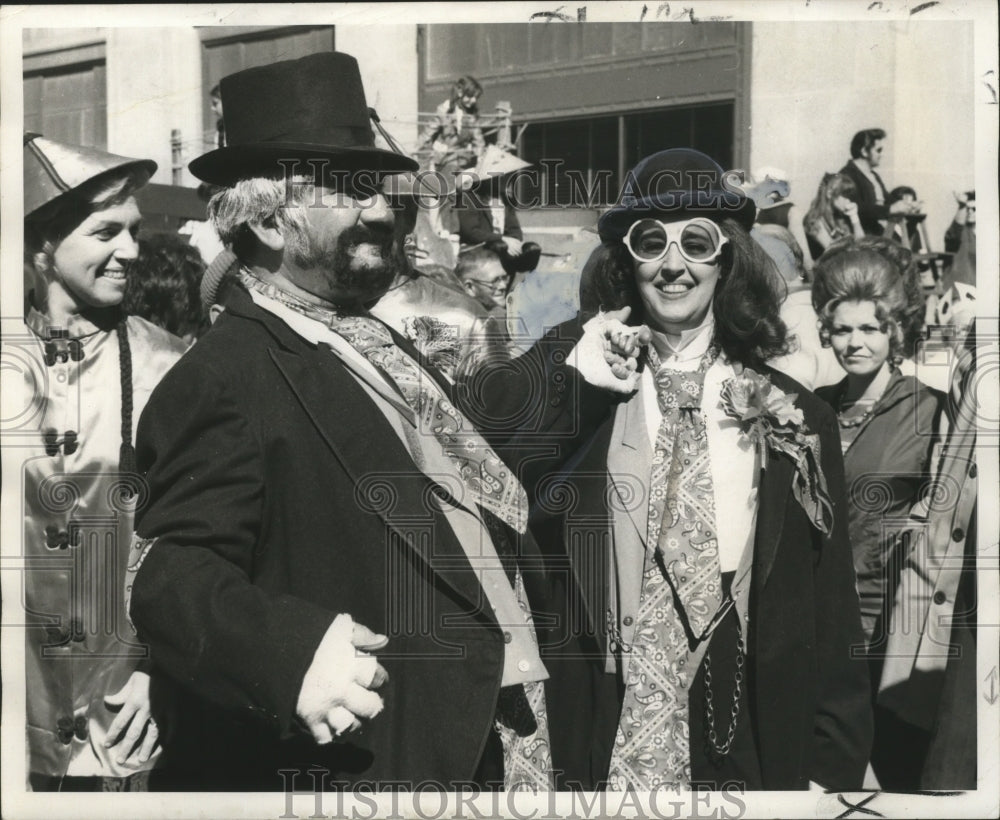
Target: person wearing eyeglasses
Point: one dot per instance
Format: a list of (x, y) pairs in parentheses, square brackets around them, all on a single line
[(703, 524), (483, 277)]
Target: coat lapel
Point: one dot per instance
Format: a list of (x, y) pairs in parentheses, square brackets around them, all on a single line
[(630, 463), (630, 460), (349, 423)]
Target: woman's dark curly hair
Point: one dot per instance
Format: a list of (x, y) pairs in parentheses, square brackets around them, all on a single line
[(164, 283), (746, 305), (467, 85)]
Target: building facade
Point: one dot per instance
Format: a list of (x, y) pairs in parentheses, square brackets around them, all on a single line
[(590, 98)]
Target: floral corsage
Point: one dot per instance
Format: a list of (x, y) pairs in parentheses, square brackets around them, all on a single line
[(770, 420)]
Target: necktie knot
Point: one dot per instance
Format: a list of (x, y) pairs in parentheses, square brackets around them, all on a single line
[(679, 390)]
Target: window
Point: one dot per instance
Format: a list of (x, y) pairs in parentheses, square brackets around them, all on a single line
[(68, 103), (486, 49), (580, 162)]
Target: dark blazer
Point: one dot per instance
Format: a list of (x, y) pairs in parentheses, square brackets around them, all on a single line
[(280, 496), (475, 222), (887, 467), (810, 697), (869, 212)]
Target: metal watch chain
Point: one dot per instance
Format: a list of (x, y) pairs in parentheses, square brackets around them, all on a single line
[(734, 710)]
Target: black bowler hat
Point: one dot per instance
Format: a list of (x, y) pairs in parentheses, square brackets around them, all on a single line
[(679, 183), (312, 108)]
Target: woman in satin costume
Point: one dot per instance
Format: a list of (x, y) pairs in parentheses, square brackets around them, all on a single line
[(88, 371)]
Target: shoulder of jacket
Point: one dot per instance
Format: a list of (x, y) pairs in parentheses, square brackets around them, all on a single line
[(815, 409), (155, 336), (229, 352)]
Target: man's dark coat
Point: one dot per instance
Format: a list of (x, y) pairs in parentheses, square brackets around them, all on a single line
[(280, 496)]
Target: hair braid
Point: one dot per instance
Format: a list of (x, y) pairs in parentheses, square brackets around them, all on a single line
[(126, 455)]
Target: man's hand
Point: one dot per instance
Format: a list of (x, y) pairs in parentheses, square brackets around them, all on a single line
[(906, 207), (513, 245), (133, 700), (337, 690), (622, 344)]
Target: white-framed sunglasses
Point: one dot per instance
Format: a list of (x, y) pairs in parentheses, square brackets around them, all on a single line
[(699, 240)]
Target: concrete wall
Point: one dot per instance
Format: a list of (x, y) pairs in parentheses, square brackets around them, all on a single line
[(154, 86), (387, 56), (154, 83), (38, 40), (815, 84)]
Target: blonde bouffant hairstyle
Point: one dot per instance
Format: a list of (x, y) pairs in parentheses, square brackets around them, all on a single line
[(874, 270)]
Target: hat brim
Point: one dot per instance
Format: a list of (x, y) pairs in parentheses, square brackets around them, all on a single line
[(770, 206), (228, 165), (614, 224), (143, 169)]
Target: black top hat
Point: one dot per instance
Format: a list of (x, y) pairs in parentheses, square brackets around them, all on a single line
[(680, 183), (310, 108)]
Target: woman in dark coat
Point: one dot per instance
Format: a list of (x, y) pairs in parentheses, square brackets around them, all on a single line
[(869, 310), (699, 522)]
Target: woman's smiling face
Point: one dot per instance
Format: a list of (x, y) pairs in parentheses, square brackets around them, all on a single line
[(91, 264), (676, 293)]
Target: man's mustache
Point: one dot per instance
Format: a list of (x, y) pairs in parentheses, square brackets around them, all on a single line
[(380, 237)]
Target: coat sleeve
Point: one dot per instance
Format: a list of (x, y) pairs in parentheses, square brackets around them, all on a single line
[(870, 213), (842, 725), (953, 237), (474, 226), (193, 600), (512, 225), (536, 409)]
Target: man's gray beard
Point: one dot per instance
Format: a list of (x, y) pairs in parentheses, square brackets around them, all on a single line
[(369, 281)]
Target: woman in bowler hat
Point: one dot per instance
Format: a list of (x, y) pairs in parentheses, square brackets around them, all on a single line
[(91, 371), (702, 514)]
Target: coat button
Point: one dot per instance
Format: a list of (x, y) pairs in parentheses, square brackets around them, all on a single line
[(80, 727), (507, 637), (958, 534), (523, 666), (56, 634), (64, 730), (56, 538), (940, 597), (627, 620), (50, 440)]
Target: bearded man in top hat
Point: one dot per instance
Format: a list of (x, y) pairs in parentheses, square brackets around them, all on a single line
[(326, 571)]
